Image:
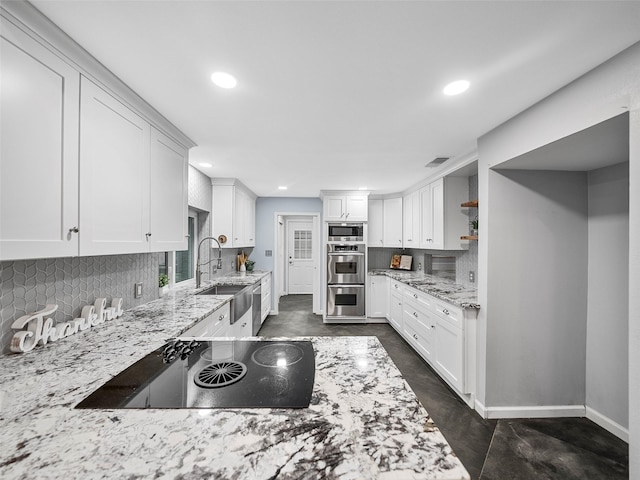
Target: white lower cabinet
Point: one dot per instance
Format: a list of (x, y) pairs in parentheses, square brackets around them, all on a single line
[(242, 327), (395, 305), (378, 296), (442, 333), (216, 324), (265, 298)]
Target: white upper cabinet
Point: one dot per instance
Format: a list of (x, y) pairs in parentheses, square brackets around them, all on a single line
[(39, 150), (81, 173), (392, 214), (234, 213), (345, 208), (169, 194), (375, 230), (442, 216), (411, 220), (114, 178)]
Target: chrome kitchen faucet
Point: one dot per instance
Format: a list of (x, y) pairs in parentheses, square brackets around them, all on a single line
[(198, 264)]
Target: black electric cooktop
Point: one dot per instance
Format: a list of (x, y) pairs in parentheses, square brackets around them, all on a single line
[(214, 374)]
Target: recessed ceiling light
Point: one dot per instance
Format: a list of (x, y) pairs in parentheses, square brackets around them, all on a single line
[(205, 164), (282, 188), (457, 87), (224, 80)]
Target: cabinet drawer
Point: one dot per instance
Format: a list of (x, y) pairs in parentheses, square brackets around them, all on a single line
[(449, 312), (422, 299), (397, 286), (420, 336)]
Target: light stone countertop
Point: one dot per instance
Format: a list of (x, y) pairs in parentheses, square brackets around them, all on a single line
[(363, 422), (440, 287)]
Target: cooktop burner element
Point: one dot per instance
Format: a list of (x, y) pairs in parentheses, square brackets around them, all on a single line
[(214, 374), (220, 374), (277, 355)]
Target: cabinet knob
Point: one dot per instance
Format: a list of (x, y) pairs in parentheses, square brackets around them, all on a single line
[(415, 295), (415, 314), (74, 230), (148, 235), (415, 336), (445, 311), (221, 317)]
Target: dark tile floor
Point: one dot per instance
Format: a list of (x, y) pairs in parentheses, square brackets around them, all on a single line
[(522, 449)]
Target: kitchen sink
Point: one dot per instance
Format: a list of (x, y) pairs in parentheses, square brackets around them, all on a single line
[(242, 298), (224, 290)]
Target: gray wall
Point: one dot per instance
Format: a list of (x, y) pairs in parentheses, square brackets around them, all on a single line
[(600, 94), (266, 207), (607, 383), (537, 281)]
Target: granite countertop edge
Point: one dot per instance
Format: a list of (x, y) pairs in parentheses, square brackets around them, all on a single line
[(446, 289)]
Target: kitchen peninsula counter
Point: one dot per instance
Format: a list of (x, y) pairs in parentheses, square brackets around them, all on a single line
[(436, 285), (363, 422)]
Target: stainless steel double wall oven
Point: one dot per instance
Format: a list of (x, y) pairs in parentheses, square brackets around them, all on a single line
[(346, 274)]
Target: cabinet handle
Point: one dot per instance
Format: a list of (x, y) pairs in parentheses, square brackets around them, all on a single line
[(415, 295), (415, 314), (445, 311), (74, 230), (347, 216), (221, 317), (415, 336), (147, 235)]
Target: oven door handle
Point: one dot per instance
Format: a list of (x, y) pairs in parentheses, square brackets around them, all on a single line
[(345, 254)]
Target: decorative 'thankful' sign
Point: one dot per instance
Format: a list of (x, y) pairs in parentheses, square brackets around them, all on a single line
[(40, 330)]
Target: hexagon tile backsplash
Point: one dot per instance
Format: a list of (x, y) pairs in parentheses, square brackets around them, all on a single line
[(28, 285)]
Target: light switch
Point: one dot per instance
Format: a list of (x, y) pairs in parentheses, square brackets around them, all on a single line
[(138, 291)]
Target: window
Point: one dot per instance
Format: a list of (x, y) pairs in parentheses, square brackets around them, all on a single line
[(185, 262), (302, 248), (180, 266)]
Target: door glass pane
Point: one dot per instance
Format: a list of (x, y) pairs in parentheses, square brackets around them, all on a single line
[(184, 259), (302, 247)]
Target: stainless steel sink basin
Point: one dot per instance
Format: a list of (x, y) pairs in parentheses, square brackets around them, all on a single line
[(241, 302), (223, 290)]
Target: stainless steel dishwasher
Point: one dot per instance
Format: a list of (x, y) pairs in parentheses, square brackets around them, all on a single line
[(257, 309)]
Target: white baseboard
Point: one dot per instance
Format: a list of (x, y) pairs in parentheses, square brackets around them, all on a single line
[(605, 422), (480, 408), (545, 411)]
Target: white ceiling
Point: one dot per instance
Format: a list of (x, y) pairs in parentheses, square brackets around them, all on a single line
[(342, 94)]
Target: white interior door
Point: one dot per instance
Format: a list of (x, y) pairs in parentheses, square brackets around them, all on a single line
[(300, 256)]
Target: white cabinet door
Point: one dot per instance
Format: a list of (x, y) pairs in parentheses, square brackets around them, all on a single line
[(357, 208), (449, 352), (334, 208), (378, 296), (442, 217), (243, 327), (265, 298), (345, 208), (169, 184), (392, 208), (234, 216), (375, 227), (411, 220), (114, 178), (244, 219), (39, 150)]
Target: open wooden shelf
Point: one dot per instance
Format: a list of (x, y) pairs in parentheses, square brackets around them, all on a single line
[(472, 203), (469, 237)]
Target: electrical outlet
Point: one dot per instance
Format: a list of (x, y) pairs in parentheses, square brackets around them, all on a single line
[(472, 276), (419, 267), (138, 290)]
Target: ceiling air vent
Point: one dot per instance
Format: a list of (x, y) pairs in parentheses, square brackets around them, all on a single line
[(436, 162)]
